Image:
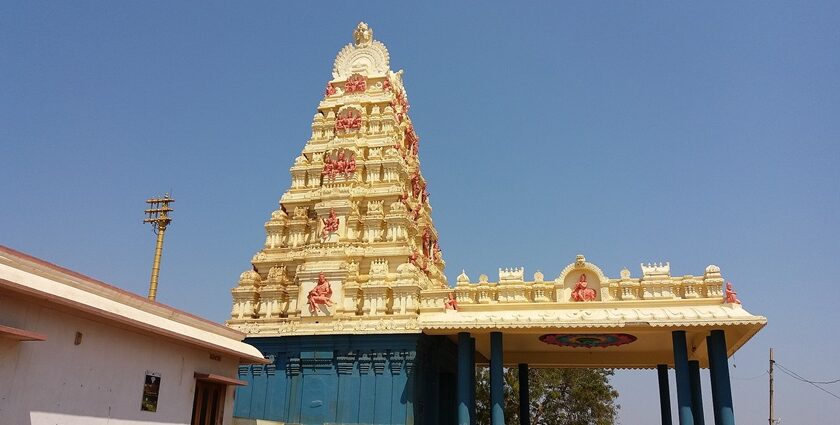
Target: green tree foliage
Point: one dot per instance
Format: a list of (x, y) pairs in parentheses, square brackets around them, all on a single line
[(557, 396)]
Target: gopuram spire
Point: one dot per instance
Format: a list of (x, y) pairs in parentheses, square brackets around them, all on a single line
[(353, 241)]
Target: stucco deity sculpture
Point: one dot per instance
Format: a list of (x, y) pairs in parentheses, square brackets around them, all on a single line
[(355, 84), (330, 224), (340, 163), (350, 166), (581, 292), (418, 262), (344, 164), (417, 185), (320, 294), (348, 122), (329, 169), (731, 295), (451, 302), (427, 242)]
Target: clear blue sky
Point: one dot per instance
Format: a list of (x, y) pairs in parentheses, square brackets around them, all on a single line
[(626, 131)]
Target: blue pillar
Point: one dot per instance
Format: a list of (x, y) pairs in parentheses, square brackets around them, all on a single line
[(524, 399), (472, 381), (464, 380), (497, 380), (712, 378), (724, 413), (664, 394), (683, 381), (696, 392)]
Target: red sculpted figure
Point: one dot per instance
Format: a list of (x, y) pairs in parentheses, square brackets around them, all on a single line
[(320, 294), (341, 163), (417, 261), (329, 168), (416, 185), (581, 292), (344, 164), (412, 143), (348, 122), (451, 302), (330, 224), (351, 166), (330, 90), (356, 83), (731, 295), (427, 242)]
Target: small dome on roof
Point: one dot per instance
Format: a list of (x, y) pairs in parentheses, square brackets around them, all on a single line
[(463, 278), (249, 277)]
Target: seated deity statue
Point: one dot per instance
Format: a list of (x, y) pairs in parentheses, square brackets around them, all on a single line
[(341, 163), (320, 294), (581, 292), (731, 295), (451, 302)]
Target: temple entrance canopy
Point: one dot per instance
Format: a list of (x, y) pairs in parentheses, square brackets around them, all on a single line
[(349, 300), (628, 324)]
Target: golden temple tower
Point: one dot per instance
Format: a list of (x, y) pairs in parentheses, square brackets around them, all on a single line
[(353, 241)]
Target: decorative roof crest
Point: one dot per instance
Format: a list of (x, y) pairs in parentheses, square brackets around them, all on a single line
[(515, 274), (363, 34), (366, 56), (652, 269)]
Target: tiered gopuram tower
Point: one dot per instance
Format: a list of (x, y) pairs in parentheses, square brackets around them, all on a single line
[(349, 300), (356, 218)]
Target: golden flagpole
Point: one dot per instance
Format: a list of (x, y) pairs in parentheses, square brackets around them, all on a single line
[(158, 215)]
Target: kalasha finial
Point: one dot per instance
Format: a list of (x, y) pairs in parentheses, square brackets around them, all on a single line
[(363, 35)]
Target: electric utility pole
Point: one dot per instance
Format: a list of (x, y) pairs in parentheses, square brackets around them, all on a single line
[(772, 419)]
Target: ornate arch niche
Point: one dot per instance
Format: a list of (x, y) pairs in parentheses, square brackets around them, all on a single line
[(368, 59), (339, 165), (348, 120), (595, 279)]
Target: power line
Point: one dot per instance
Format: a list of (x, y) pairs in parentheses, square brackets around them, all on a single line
[(750, 379), (794, 375), (808, 380)]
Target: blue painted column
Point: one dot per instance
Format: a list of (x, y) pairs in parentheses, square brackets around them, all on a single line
[(472, 381), (712, 367), (524, 398), (664, 394), (683, 380), (724, 413), (464, 380), (696, 392), (497, 380)]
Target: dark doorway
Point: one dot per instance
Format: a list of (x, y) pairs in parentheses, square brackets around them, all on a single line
[(208, 404)]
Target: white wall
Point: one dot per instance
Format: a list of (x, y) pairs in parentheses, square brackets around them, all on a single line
[(100, 381)]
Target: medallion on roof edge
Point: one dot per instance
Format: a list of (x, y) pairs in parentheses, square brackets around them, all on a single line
[(353, 239)]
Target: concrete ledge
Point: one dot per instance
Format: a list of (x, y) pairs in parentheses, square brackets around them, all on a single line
[(246, 421)]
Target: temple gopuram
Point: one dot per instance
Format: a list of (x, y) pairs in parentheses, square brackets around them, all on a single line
[(349, 301)]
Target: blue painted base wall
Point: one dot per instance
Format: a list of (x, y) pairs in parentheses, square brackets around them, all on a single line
[(351, 379)]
